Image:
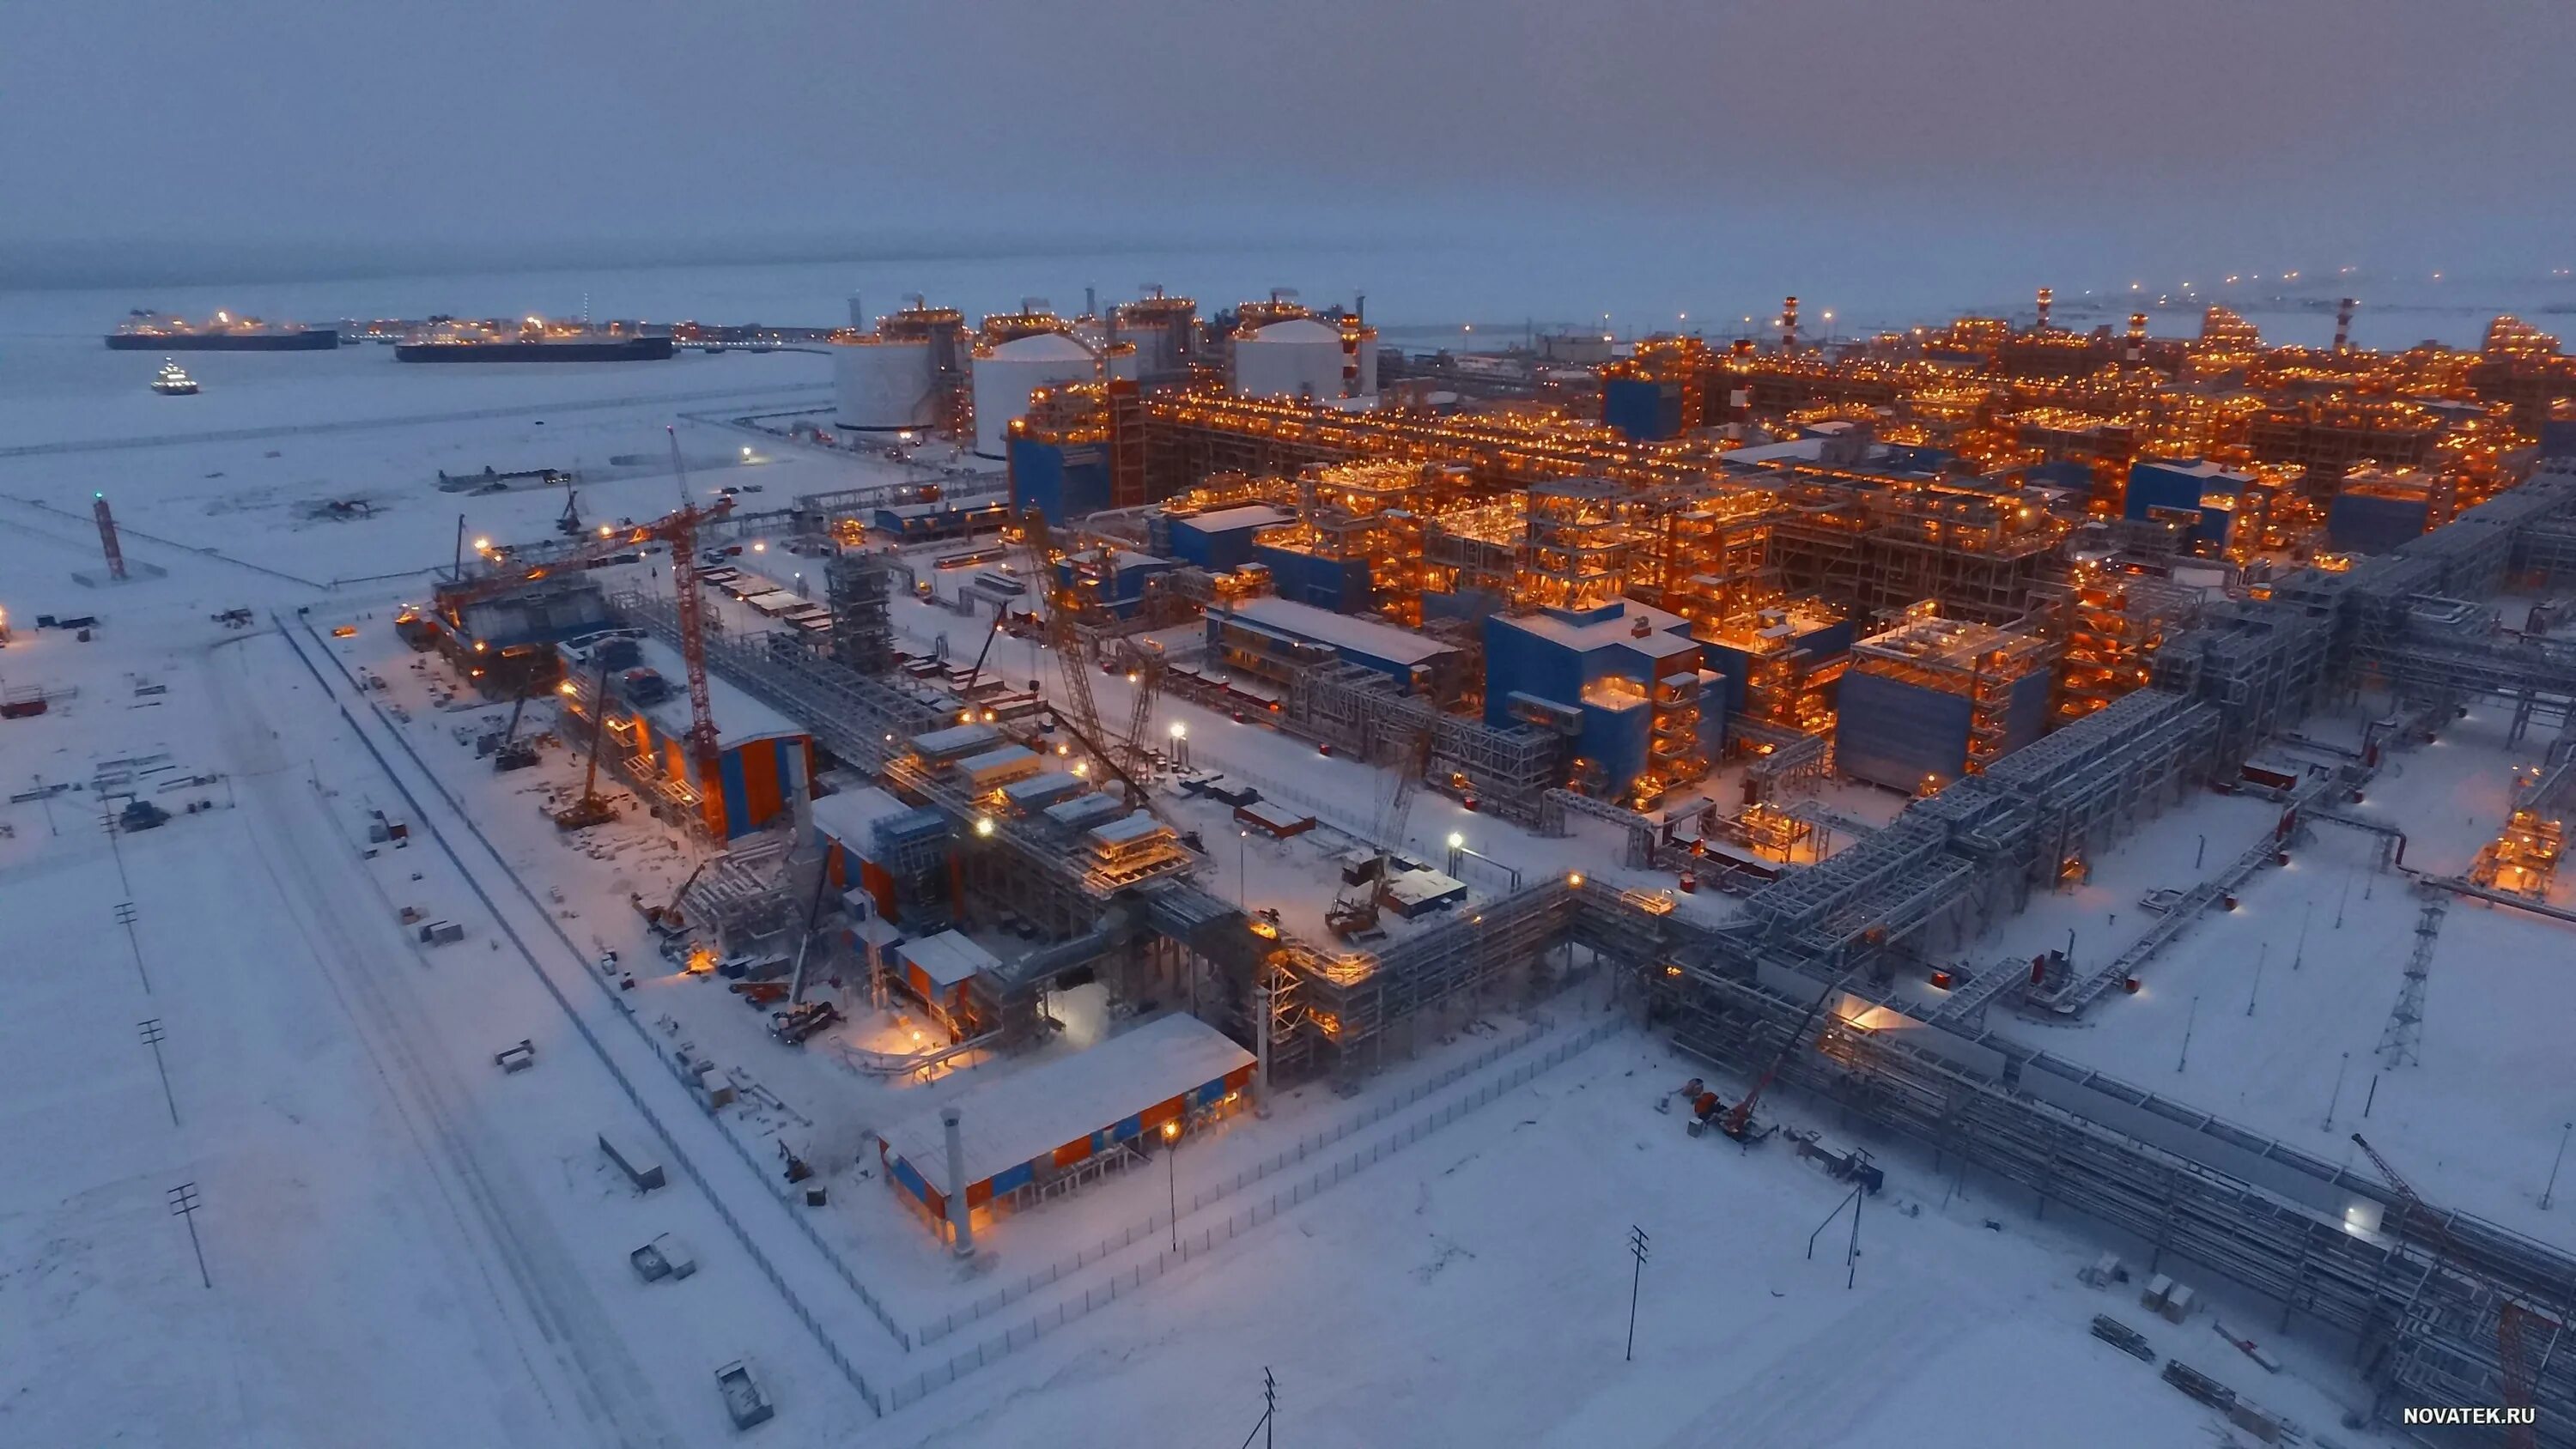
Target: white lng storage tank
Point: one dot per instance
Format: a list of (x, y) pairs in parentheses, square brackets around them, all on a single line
[(880, 385), (1302, 358), (1007, 373)]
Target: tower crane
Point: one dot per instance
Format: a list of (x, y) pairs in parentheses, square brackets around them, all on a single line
[(592, 808), (679, 530), (1065, 612), (683, 538)]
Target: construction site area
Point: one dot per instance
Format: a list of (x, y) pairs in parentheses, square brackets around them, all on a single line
[(2091, 800)]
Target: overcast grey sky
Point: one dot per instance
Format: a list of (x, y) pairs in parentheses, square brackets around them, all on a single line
[(2393, 131)]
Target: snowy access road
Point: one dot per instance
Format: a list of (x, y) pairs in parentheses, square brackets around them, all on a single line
[(318, 880), (372, 1270), (795, 1297), (403, 1246)]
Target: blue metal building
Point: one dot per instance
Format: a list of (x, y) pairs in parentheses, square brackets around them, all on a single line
[(2375, 520), (1219, 540), (1934, 699), (1340, 585), (1646, 409), (1623, 681), (2188, 484), (1064, 481)]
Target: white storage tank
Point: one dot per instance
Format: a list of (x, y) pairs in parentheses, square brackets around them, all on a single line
[(1007, 373), (1297, 358), (1164, 331), (882, 385)]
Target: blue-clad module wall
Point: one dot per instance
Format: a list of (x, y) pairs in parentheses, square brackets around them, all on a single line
[(1892, 733), (2154, 487), (1616, 740), (1644, 409), (1518, 661), (1219, 549), (2558, 438), (1325, 583), (1062, 483), (2364, 523), (1732, 662)]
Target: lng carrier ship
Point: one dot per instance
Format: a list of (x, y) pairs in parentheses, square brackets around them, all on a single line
[(144, 331), (533, 339)]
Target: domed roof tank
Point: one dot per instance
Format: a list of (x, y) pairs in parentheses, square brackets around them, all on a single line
[(1007, 373), (882, 385), (1297, 358)]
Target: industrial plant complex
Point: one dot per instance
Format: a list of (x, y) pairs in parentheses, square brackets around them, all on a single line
[(1010, 806)]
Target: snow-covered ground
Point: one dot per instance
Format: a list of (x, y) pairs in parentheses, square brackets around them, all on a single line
[(408, 1246), (2291, 993)]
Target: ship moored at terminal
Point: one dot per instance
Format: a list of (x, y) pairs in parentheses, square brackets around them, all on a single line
[(145, 331), (532, 339)]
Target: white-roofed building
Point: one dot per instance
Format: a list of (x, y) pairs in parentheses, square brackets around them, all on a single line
[(1068, 1115)]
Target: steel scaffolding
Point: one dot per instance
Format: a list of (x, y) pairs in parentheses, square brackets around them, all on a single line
[(855, 584), (1358, 709), (1352, 1001)]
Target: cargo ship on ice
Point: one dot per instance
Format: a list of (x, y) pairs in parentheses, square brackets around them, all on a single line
[(144, 331), (532, 339)]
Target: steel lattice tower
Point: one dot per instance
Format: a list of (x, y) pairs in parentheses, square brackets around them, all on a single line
[(2406, 1020)]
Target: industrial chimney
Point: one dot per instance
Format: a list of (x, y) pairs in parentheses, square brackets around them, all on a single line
[(1789, 325), (2047, 297), (2343, 324), (2137, 338)]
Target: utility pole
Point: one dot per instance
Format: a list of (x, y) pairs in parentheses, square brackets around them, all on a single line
[(2261, 954), (183, 1204), (125, 918), (2199, 852), (1637, 1249), (2333, 1101), (2187, 1021), (1261, 1428), (2299, 957), (153, 1035), (1851, 1255), (107, 822), (2563, 1129)]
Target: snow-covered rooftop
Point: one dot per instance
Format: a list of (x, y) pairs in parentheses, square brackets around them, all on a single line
[(1025, 1116), (1342, 631), (740, 719), (850, 815), (1666, 634), (1226, 520), (948, 959)]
